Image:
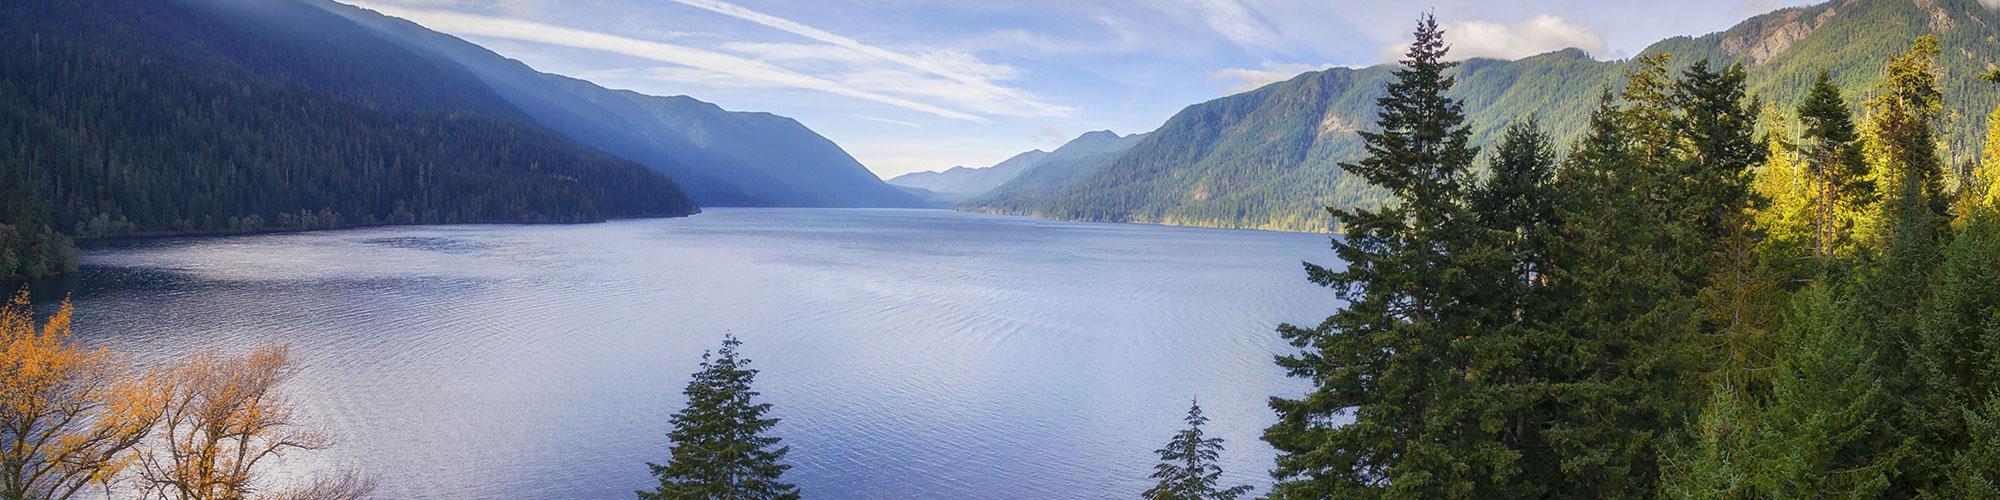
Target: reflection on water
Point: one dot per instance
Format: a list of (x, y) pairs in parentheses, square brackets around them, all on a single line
[(911, 353)]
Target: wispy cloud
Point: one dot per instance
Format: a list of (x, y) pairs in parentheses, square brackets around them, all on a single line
[(1542, 33), (888, 121), (701, 59), (1234, 21), (974, 76), (1247, 79)]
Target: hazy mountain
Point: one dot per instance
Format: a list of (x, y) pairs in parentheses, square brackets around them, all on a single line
[(721, 157), (153, 116), (1073, 161), (963, 182), (1269, 158)]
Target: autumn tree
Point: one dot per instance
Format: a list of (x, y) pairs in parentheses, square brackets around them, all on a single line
[(70, 417), (720, 446), (1187, 469), (222, 419)]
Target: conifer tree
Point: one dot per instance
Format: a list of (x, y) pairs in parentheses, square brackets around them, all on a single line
[(1632, 382), (1187, 469), (1911, 229), (720, 449), (1961, 339), (1835, 168), (1825, 433), (1398, 357)]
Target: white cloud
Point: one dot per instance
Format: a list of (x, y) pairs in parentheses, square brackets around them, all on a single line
[(1247, 79), (888, 121), (1543, 33), (1234, 21), (1990, 4), (710, 61), (976, 78)]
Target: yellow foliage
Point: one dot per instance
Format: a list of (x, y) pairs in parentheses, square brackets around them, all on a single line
[(72, 415), (223, 417)]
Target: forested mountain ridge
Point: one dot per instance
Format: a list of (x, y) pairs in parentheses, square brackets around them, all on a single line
[(963, 181), (1269, 158), (146, 117), (720, 157), (1076, 159)]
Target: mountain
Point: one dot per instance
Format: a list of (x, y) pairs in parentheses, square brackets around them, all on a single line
[(721, 157), (1269, 158), (1073, 161), (963, 182), (161, 116)]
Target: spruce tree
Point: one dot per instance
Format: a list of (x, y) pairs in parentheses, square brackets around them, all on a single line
[(720, 450), (1187, 469), (1826, 431), (1397, 358), (1961, 334), (1835, 170), (1519, 357), (1914, 216), (1631, 383)]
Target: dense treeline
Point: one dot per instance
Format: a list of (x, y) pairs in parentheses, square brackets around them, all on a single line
[(1687, 304), (126, 117)]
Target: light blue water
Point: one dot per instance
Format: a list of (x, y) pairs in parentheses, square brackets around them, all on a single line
[(910, 353)]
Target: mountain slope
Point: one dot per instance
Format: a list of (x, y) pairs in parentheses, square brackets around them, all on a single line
[(1269, 158), (155, 116), (721, 157), (1073, 161), (964, 181)]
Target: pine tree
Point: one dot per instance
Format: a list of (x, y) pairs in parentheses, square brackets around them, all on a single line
[(1835, 169), (1398, 358), (1631, 382), (1187, 469), (719, 447), (1961, 325), (1718, 200), (1826, 432), (1911, 229)]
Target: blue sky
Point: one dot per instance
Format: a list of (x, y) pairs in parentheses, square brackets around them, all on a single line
[(908, 85)]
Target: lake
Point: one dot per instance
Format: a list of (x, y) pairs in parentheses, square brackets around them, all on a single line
[(910, 353)]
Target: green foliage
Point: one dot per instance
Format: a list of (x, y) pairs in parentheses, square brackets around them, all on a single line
[(1187, 469), (1826, 433), (720, 449)]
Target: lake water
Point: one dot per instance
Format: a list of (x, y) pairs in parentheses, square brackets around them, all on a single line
[(910, 353)]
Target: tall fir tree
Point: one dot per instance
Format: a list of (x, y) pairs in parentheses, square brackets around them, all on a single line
[(720, 450), (1718, 203), (1633, 381), (1825, 432), (1961, 340), (1397, 358), (1836, 171), (1187, 468), (1518, 358), (1914, 217)]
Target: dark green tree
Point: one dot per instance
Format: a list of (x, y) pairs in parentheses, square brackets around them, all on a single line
[(1835, 168), (1914, 220), (720, 450), (1825, 432), (1961, 336), (1187, 469), (1630, 380), (1398, 358)]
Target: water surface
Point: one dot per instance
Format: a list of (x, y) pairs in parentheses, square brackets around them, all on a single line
[(910, 353)]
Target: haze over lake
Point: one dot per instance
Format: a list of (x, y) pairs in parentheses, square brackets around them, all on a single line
[(910, 353)]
